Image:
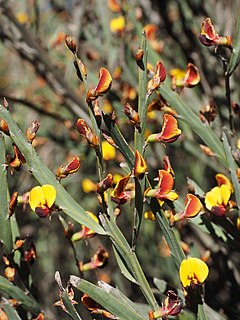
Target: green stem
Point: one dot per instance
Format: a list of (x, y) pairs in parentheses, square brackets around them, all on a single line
[(130, 258), (5, 226)]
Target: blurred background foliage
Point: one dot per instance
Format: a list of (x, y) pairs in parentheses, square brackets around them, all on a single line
[(39, 81)]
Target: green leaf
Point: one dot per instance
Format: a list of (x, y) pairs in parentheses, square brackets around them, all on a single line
[(69, 307), (15, 292), (5, 226), (186, 114), (123, 267), (160, 284), (119, 307), (176, 250), (9, 309), (235, 56), (119, 140), (232, 167), (44, 176)]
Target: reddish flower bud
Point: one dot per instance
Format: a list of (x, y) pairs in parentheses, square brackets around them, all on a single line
[(71, 43), (132, 115), (4, 127), (32, 130), (70, 168), (105, 184), (139, 54), (87, 133)]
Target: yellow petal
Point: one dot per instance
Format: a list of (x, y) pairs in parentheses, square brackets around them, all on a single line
[(36, 197), (199, 268), (109, 152), (213, 198), (49, 194), (172, 196), (225, 194), (193, 270), (184, 272)]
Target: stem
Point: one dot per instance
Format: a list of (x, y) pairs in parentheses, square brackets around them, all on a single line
[(5, 227), (228, 94), (139, 140), (130, 258)]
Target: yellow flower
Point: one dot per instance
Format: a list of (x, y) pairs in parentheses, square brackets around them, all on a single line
[(193, 271), (41, 199), (217, 199), (117, 25), (109, 152), (88, 185)]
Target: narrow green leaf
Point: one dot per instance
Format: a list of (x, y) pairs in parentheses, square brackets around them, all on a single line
[(176, 250), (104, 297), (119, 140), (142, 97), (123, 267), (5, 226), (232, 168), (10, 311), (15, 292), (69, 307), (203, 131), (43, 175), (235, 56)]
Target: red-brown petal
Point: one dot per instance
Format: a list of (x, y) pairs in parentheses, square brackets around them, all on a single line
[(166, 182), (192, 75), (170, 131), (104, 82), (192, 206)]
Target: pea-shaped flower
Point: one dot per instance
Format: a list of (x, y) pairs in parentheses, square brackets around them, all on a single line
[(193, 271), (41, 199)]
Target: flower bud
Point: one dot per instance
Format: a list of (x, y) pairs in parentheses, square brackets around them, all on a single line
[(32, 130), (71, 43)]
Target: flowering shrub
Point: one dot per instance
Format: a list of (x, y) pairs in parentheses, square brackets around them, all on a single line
[(120, 163)]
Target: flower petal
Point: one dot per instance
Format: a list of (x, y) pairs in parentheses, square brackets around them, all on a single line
[(104, 82), (225, 194), (49, 194), (170, 131), (192, 76), (222, 179), (36, 197), (192, 206), (193, 270), (213, 198)]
